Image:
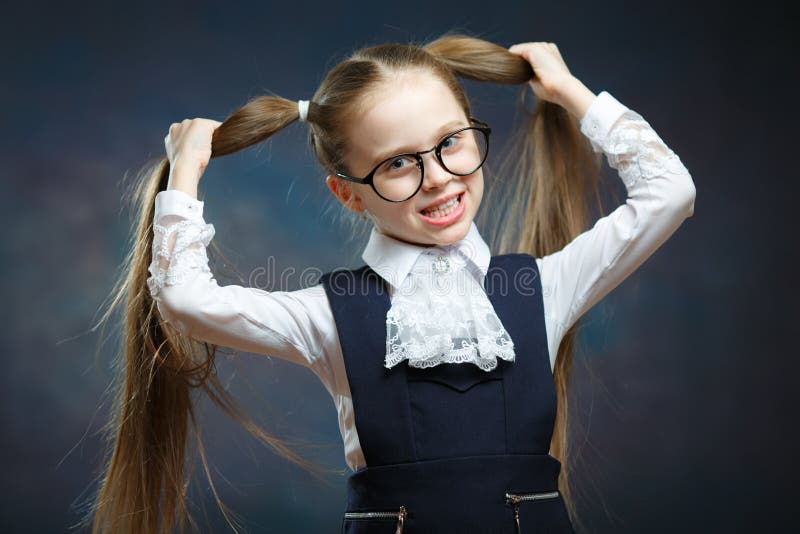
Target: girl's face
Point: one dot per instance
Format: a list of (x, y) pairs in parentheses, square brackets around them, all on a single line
[(412, 114)]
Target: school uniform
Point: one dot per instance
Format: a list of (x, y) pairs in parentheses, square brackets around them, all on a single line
[(446, 446), (446, 442)]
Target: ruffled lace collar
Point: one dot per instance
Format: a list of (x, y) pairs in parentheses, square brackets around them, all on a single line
[(439, 311)]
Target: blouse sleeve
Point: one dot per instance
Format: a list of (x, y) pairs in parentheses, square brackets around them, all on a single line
[(660, 197), (294, 325)]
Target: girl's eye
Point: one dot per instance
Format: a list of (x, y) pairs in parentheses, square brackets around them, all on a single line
[(398, 164), (451, 141), (394, 165)]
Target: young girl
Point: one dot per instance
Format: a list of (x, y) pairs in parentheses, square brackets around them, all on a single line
[(448, 364)]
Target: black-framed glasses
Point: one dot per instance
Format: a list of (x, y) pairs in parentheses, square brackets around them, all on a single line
[(400, 177)]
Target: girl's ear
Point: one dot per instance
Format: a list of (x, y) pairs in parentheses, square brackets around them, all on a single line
[(344, 193)]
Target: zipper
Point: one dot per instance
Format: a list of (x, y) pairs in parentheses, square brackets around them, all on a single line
[(516, 498), (400, 515)]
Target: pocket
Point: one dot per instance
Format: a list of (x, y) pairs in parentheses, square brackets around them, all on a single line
[(374, 521), (460, 377), (457, 409), (539, 512)]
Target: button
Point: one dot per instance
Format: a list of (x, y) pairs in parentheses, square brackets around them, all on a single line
[(441, 264)]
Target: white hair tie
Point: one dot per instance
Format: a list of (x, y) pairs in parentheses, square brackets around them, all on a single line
[(302, 106)]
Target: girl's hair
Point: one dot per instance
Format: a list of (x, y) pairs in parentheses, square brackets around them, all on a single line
[(549, 177)]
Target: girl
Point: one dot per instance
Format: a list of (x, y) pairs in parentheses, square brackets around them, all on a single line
[(448, 364)]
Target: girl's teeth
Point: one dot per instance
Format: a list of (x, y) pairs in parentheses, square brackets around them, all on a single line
[(443, 209)]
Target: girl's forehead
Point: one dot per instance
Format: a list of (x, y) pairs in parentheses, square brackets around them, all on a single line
[(403, 90), (408, 112)]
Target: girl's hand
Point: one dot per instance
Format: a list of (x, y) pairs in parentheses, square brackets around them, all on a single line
[(188, 145), (551, 74)]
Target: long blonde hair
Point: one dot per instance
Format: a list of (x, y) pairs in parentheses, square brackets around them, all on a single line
[(549, 176)]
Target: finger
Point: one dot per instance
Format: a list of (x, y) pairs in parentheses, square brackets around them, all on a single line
[(519, 47), (208, 123), (520, 50)]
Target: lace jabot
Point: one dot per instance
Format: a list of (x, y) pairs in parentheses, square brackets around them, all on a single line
[(440, 313)]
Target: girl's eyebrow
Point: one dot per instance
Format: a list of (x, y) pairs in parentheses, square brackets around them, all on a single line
[(444, 129)]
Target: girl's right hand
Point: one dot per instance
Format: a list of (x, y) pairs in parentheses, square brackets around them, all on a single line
[(188, 145)]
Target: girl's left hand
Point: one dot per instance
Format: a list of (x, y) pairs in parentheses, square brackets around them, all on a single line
[(550, 72)]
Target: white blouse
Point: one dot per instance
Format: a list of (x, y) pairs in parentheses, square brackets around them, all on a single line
[(440, 312), (299, 326)]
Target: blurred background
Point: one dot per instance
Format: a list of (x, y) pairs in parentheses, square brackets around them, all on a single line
[(684, 382)]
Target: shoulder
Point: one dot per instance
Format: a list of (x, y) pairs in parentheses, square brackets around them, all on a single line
[(515, 260), (340, 278), (344, 272), (361, 273)]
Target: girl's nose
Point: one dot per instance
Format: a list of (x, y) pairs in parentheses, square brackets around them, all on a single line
[(436, 176)]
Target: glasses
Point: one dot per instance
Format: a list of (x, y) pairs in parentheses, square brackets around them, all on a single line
[(399, 177)]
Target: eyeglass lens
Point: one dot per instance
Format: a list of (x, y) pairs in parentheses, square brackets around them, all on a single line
[(463, 152)]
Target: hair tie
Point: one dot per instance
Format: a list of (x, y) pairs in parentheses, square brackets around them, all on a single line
[(302, 106)]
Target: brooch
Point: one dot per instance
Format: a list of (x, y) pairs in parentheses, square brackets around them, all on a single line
[(441, 264)]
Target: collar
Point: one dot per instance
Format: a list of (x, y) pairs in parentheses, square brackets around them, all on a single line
[(393, 259)]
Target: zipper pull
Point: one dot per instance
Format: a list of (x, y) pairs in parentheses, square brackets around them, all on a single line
[(515, 499), (401, 519)]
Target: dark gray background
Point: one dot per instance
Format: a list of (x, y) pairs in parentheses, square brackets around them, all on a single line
[(684, 382)]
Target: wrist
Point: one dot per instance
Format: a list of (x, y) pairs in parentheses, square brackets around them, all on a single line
[(575, 97), (183, 179)]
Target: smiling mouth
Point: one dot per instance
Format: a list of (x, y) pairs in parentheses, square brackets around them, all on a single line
[(443, 209)]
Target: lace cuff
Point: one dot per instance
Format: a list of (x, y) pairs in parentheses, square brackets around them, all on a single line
[(180, 238), (628, 141), (600, 117)]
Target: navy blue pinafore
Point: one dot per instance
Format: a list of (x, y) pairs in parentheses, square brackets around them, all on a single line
[(451, 448)]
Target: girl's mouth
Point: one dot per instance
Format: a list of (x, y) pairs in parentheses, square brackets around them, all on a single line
[(445, 214)]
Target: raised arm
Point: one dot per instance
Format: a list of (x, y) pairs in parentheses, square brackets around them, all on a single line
[(294, 325), (661, 196), (286, 324)]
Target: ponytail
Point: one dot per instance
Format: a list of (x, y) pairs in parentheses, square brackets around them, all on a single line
[(144, 485), (253, 123), (479, 60)]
